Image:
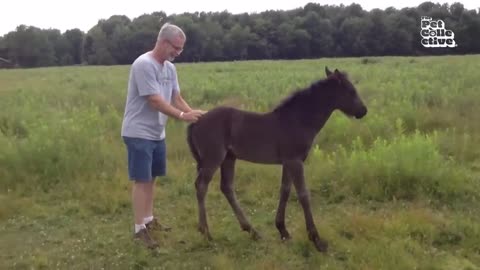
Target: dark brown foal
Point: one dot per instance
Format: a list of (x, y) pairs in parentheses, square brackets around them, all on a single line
[(282, 136)]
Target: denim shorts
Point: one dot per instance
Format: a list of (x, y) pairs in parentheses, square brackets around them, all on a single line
[(146, 159)]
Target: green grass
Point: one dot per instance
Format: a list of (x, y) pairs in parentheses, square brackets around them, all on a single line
[(398, 189)]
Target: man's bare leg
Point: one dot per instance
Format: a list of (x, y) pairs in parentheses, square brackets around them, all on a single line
[(138, 199), (149, 198)]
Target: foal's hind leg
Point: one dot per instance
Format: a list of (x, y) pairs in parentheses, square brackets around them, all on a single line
[(282, 204), (204, 177), (226, 185)]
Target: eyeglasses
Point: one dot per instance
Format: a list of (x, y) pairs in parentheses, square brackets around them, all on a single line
[(177, 48)]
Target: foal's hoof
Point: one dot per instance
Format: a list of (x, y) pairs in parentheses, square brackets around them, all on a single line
[(285, 236), (320, 244), (208, 237), (205, 233), (255, 235)]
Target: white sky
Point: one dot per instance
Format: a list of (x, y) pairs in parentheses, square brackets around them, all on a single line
[(84, 14)]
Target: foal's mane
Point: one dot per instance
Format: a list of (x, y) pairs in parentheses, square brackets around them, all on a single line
[(301, 97)]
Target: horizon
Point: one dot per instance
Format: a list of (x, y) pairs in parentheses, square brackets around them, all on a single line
[(68, 19)]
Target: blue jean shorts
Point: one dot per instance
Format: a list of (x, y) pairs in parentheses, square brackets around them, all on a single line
[(146, 159)]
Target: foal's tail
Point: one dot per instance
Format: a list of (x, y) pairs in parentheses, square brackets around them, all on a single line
[(191, 145)]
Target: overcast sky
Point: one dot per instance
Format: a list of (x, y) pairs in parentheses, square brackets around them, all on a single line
[(84, 14)]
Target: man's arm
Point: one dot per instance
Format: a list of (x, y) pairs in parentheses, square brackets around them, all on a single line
[(148, 86), (158, 103), (180, 103)]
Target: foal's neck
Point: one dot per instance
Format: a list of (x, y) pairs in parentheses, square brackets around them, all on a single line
[(309, 114), (318, 116)]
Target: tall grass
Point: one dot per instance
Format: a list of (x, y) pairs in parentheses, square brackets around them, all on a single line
[(397, 189)]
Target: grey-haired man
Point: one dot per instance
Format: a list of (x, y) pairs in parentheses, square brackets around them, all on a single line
[(153, 96)]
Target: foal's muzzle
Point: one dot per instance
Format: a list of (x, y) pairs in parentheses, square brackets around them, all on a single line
[(361, 113)]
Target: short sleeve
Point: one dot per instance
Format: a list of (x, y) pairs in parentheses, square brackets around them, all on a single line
[(145, 78)]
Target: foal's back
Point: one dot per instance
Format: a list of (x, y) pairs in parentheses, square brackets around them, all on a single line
[(250, 136)]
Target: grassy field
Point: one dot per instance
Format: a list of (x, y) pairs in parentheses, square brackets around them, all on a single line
[(399, 189)]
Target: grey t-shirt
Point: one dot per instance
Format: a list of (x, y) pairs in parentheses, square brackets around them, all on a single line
[(147, 77)]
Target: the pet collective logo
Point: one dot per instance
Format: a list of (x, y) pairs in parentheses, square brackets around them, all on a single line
[(434, 34)]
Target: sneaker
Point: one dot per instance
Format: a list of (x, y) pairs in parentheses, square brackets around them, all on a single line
[(143, 236), (154, 225)]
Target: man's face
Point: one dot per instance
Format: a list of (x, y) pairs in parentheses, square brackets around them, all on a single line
[(174, 47)]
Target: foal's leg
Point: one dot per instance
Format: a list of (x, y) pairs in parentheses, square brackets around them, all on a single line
[(226, 185), (201, 184), (295, 169), (284, 194)]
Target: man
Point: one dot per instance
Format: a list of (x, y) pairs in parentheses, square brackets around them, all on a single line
[(153, 96)]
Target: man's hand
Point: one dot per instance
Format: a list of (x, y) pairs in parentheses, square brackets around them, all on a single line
[(192, 116)]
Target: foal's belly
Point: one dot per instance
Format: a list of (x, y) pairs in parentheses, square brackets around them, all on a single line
[(257, 152), (256, 141)]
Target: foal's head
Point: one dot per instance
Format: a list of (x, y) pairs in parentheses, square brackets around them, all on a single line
[(344, 94)]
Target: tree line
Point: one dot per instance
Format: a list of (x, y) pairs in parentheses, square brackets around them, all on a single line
[(312, 31)]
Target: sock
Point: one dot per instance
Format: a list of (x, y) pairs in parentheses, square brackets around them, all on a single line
[(138, 227), (147, 219)]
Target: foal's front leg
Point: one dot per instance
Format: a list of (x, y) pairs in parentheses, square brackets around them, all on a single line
[(295, 169)]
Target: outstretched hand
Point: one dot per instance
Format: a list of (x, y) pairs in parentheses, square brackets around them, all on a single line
[(193, 115)]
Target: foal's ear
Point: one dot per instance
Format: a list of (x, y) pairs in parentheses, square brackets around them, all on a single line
[(327, 71), (335, 75)]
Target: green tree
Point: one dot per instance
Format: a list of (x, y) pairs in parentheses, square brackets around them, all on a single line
[(75, 38), (30, 47)]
